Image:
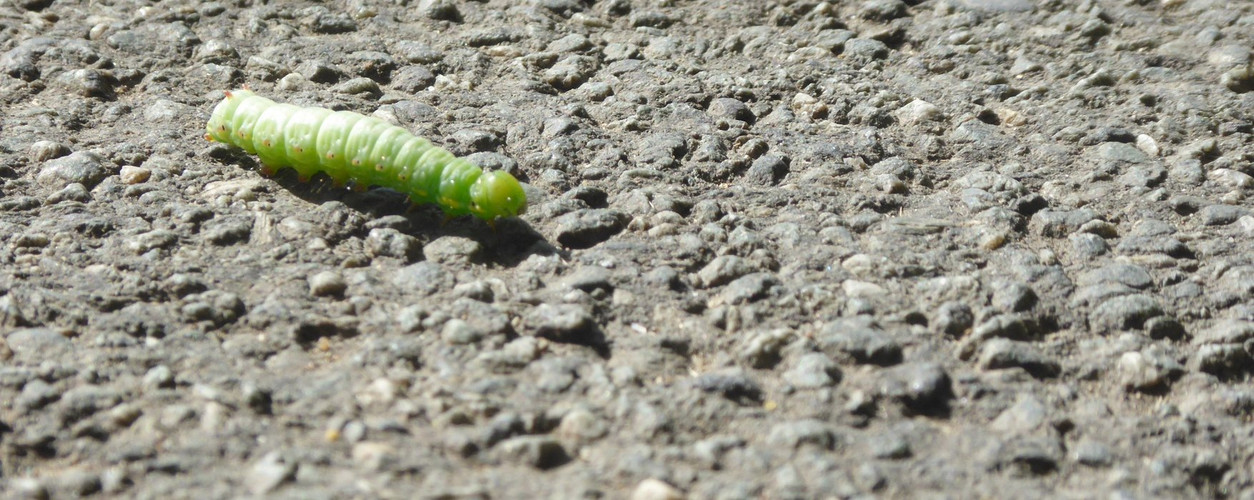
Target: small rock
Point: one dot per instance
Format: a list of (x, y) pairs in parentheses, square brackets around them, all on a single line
[(1222, 360), (159, 377), (656, 489), (541, 452), (865, 49), (762, 350), (1124, 312), (413, 79), (134, 175), (424, 277), (36, 394), (813, 371), (1091, 453), (953, 318), (358, 86), (883, 10), (998, 5), (453, 250), (651, 19), (728, 108), (1139, 371), (768, 170), (922, 388), (1231, 178), (589, 279), (388, 242), (1131, 275), (77, 483), (1004, 353), (1147, 145), (750, 288), (326, 284), (1056, 224), (83, 167), (1228, 331), (661, 149), (269, 473), (441, 10), (890, 446), (859, 343), (722, 270), (788, 436), (1013, 297), (88, 82), (563, 323), (1221, 215), (588, 227), (228, 230), (1028, 455), (216, 51), (42, 151), (36, 341), (1026, 415), (733, 385), (331, 22), (573, 42), (86, 400), (373, 456), (1088, 246), (467, 141), (459, 332), (28, 488), (918, 111), (318, 71), (571, 72), (581, 426)]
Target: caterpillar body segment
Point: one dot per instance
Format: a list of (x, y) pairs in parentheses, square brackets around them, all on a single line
[(365, 150)]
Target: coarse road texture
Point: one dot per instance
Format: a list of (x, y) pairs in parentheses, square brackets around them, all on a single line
[(774, 249)]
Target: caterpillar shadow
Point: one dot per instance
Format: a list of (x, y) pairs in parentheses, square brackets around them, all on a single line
[(507, 243)]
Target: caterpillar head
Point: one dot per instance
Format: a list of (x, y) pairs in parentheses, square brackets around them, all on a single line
[(495, 195), (219, 125)]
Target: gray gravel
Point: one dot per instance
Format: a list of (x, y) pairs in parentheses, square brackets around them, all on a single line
[(884, 248)]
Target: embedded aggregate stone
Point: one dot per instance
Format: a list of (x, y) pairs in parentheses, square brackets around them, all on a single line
[(859, 344), (1004, 353), (564, 323), (1124, 312), (83, 167), (444, 250), (813, 370), (327, 283), (923, 388), (586, 228)]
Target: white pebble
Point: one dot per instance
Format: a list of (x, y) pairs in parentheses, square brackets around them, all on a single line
[(1147, 144), (135, 175), (654, 489)]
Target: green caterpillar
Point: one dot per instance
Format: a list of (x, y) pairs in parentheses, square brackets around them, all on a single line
[(368, 151)]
